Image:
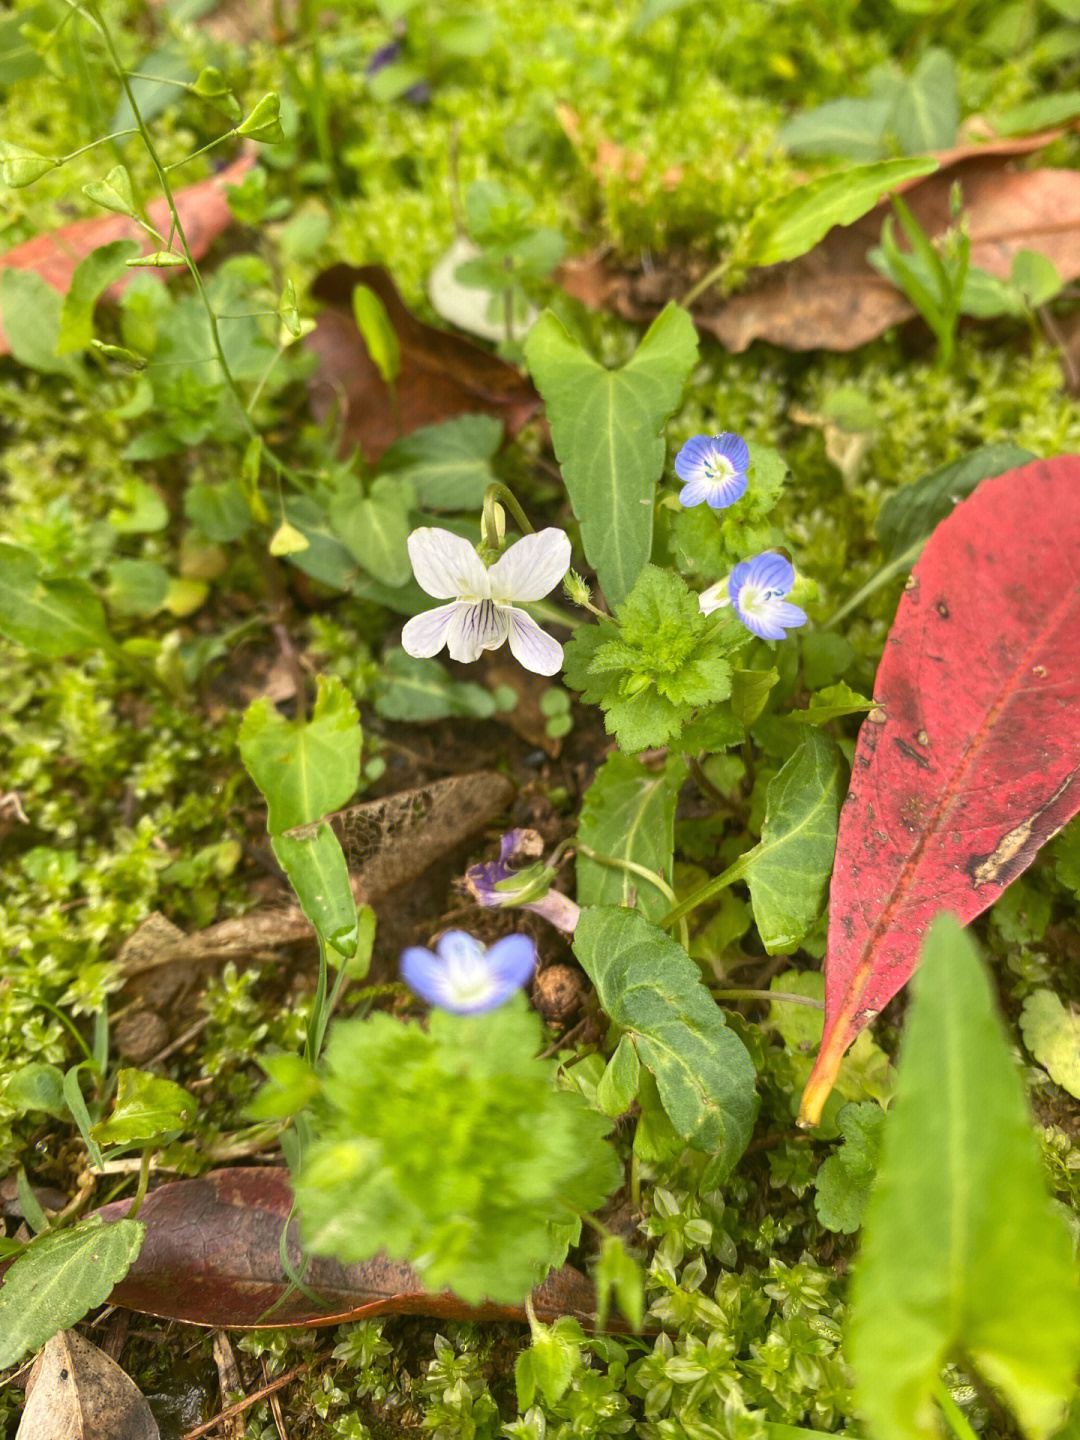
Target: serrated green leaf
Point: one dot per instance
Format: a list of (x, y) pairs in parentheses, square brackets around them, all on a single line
[(58, 1278), (629, 814), (148, 1108), (315, 864), (304, 769), (1052, 1034), (448, 465), (792, 224), (962, 1255), (845, 1179), (607, 430), (652, 990), (52, 617)]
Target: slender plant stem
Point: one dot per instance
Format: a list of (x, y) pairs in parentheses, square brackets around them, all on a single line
[(144, 1181), (957, 1420), (646, 874)]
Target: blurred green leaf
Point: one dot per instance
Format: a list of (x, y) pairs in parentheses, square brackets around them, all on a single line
[(962, 1255), (148, 1108), (53, 617)]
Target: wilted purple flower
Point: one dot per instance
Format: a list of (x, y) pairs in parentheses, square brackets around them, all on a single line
[(713, 468), (498, 886), (464, 976), (756, 589)]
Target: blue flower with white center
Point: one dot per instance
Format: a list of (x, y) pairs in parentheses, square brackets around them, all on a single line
[(756, 588), (713, 469), (466, 977)]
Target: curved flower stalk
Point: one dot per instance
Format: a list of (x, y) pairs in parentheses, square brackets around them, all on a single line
[(713, 468), (483, 612), (497, 886), (755, 588), (463, 976)]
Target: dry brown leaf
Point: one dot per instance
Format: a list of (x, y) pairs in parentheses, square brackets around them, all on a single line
[(442, 374), (204, 214), (832, 298), (76, 1392)]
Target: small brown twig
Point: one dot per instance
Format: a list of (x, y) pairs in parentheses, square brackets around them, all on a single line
[(247, 1402)]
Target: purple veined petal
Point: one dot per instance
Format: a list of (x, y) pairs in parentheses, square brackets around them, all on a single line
[(722, 493), (690, 461), (770, 570), (481, 625), (714, 598), (446, 565), (425, 974), (694, 492), (768, 618), (511, 962), (531, 567), (532, 647), (734, 448), (425, 635)]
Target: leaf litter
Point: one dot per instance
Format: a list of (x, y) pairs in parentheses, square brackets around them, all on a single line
[(833, 298)]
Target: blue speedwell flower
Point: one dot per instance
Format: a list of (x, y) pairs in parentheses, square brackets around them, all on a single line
[(713, 469), (756, 588), (465, 977)]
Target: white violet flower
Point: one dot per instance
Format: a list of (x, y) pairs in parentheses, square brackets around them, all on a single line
[(483, 612)]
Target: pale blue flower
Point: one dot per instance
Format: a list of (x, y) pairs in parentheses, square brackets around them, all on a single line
[(484, 613), (713, 468), (464, 976), (756, 588)]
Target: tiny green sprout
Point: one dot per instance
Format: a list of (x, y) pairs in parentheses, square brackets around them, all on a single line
[(264, 123)]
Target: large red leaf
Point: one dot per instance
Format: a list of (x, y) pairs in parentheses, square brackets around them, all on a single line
[(211, 1257), (970, 762)]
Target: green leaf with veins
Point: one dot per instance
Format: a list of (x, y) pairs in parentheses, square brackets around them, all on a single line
[(59, 1277), (607, 430), (652, 990), (662, 661), (304, 769), (629, 814)]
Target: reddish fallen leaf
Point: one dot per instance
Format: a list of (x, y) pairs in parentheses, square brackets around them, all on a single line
[(833, 298), (970, 763), (211, 1257), (204, 214), (442, 374)]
